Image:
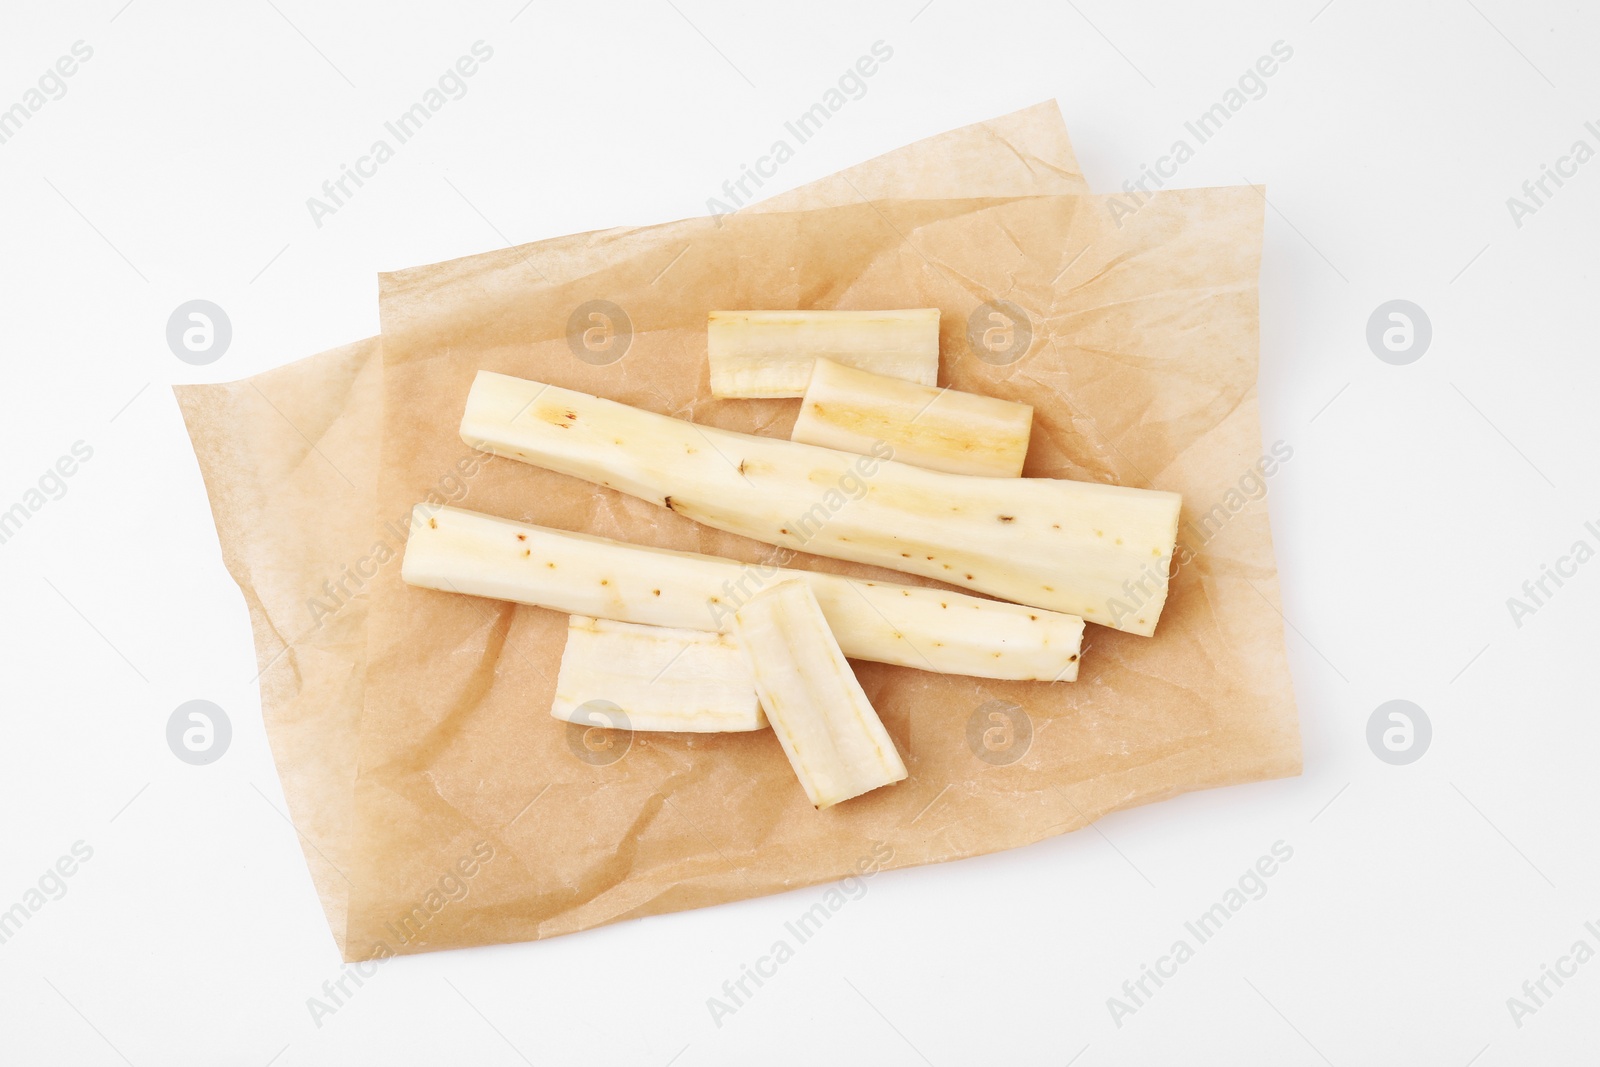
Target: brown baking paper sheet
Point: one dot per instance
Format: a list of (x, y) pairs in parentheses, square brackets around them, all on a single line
[(1141, 370), (290, 460)]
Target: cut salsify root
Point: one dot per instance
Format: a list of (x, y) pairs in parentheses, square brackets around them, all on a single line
[(769, 353), (1097, 551), (829, 730), (659, 677), (913, 626), (940, 429)]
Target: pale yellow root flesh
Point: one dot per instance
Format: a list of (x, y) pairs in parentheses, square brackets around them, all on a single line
[(940, 429), (769, 353), (829, 730), (459, 551), (658, 677), (1100, 552)]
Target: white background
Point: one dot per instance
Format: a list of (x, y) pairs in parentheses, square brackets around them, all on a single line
[(1419, 898)]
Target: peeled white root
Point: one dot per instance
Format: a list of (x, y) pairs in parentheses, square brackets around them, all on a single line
[(933, 629), (830, 732), (769, 353), (1100, 552), (662, 678), (940, 429)]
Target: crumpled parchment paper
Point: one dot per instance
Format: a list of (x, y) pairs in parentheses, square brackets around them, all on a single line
[(1134, 338), (290, 460)]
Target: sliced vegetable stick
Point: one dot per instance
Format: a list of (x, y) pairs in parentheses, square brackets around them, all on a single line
[(661, 677), (913, 626), (940, 429), (1097, 551), (830, 732), (769, 353)]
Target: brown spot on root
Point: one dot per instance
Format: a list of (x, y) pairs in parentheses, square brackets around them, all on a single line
[(667, 503), (527, 552), (905, 555), (522, 537), (1008, 518), (433, 523), (942, 604), (551, 564), (605, 581), (969, 577), (1072, 658), (1035, 618), (741, 466), (657, 592)]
